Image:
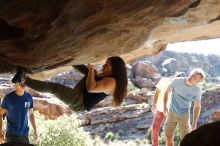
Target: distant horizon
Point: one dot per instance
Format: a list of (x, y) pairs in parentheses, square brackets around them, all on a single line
[(205, 47)]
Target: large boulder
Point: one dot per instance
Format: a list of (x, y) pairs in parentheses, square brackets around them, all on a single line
[(143, 70), (51, 109), (171, 64), (45, 34), (144, 75)]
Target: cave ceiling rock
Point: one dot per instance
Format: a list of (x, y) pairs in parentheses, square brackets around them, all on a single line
[(200, 22), (45, 34)]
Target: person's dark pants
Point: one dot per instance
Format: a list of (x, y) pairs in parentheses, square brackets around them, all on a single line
[(17, 139), (72, 97)]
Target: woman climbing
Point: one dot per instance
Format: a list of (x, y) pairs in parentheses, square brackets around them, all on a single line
[(90, 90)]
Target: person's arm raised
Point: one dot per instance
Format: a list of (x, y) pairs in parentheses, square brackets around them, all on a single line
[(107, 84), (81, 68)]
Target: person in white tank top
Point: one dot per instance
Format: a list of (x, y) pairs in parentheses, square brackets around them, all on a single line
[(158, 106)]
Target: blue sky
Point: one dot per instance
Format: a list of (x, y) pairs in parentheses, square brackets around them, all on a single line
[(201, 47)]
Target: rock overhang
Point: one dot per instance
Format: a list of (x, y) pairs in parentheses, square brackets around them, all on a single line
[(42, 35)]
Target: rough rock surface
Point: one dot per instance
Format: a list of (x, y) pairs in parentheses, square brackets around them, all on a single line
[(136, 118), (130, 121), (169, 62), (45, 34), (210, 106), (143, 70), (144, 75), (50, 109)]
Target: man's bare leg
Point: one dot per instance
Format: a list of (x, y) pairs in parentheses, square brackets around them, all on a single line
[(169, 141)]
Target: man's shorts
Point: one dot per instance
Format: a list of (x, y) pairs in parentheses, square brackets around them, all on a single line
[(173, 120)]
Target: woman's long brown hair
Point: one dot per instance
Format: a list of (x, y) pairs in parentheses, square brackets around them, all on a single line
[(120, 74)]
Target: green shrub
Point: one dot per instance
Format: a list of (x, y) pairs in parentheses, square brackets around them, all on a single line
[(149, 133), (109, 136), (63, 131)]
